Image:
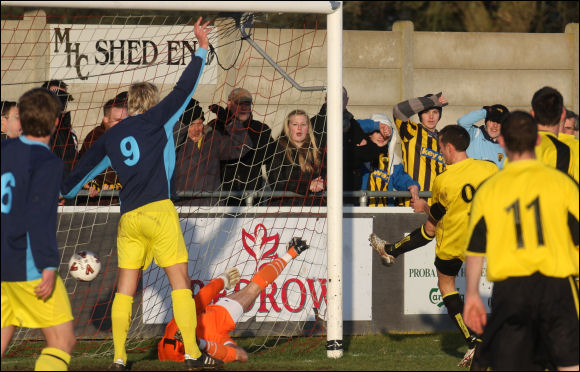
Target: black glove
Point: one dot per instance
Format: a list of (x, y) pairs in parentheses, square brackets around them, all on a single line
[(221, 113)]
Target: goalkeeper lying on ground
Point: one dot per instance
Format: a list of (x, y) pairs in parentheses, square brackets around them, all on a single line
[(214, 322)]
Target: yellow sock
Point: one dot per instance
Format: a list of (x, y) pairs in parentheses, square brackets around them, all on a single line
[(121, 312), (52, 359), (184, 314)]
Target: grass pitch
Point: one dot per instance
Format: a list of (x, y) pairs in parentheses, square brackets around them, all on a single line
[(395, 352)]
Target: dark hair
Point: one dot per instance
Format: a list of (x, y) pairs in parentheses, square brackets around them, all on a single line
[(119, 101), (59, 83), (455, 135), (520, 132), (6, 106), (497, 113), (38, 108), (548, 104), (192, 112)]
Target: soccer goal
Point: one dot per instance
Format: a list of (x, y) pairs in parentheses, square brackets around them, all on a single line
[(288, 55)]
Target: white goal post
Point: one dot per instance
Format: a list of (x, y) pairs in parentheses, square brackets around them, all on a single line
[(333, 11)]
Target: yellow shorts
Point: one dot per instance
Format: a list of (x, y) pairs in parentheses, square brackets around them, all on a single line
[(21, 307), (151, 231)]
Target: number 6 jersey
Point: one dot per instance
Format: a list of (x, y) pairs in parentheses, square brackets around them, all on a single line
[(140, 148)]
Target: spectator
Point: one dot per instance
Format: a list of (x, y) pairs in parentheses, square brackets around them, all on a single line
[(548, 110), (569, 135), (245, 173), (114, 111), (10, 120), (296, 162), (483, 144), (383, 170), (198, 158), (570, 125), (64, 141), (422, 158), (352, 136)]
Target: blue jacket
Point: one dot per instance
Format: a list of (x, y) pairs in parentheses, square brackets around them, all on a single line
[(394, 176), (141, 148), (31, 176), (481, 145)]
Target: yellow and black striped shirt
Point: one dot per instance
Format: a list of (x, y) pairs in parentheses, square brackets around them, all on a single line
[(421, 157), (525, 220)]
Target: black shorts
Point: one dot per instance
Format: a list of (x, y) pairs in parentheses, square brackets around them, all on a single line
[(448, 267), (533, 324)]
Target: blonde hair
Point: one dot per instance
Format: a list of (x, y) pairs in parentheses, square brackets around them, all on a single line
[(142, 96), (308, 155)]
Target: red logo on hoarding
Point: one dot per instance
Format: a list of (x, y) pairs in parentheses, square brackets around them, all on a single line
[(260, 245)]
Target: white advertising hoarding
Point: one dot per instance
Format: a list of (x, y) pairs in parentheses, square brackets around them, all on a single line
[(422, 296), (299, 293)]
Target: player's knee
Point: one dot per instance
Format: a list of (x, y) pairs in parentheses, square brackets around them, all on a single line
[(67, 343)]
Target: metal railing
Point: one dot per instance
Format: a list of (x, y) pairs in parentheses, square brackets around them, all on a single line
[(251, 196)]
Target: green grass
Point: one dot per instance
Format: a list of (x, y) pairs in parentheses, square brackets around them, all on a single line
[(400, 352)]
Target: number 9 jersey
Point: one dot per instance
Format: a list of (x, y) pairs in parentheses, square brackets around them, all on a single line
[(525, 220), (140, 148)]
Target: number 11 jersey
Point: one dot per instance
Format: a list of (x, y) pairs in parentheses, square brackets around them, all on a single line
[(525, 220)]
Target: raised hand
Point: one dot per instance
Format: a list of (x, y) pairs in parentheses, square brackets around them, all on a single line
[(201, 32)]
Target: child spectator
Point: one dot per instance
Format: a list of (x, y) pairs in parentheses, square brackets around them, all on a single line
[(383, 168)]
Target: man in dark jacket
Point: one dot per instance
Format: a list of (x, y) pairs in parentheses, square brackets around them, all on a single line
[(244, 173), (63, 141), (352, 135)]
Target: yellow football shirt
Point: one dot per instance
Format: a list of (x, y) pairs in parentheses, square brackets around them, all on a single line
[(525, 220), (572, 142), (555, 153), (454, 190)]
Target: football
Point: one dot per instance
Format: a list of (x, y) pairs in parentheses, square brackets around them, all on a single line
[(84, 266)]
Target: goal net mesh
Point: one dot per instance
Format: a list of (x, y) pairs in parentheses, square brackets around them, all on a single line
[(98, 55)]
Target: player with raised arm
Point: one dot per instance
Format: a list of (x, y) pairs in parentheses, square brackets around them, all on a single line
[(524, 221), (453, 191), (215, 322), (33, 294), (141, 150)]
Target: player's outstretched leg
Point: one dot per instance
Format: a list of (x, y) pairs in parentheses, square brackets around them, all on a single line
[(388, 252), (268, 273), (381, 247)]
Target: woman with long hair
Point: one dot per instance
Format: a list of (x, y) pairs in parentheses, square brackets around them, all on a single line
[(296, 164)]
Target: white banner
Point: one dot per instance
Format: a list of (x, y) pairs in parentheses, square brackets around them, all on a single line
[(104, 54), (422, 296), (299, 293)]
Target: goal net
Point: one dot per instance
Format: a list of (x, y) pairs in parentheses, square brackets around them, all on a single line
[(246, 220)]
